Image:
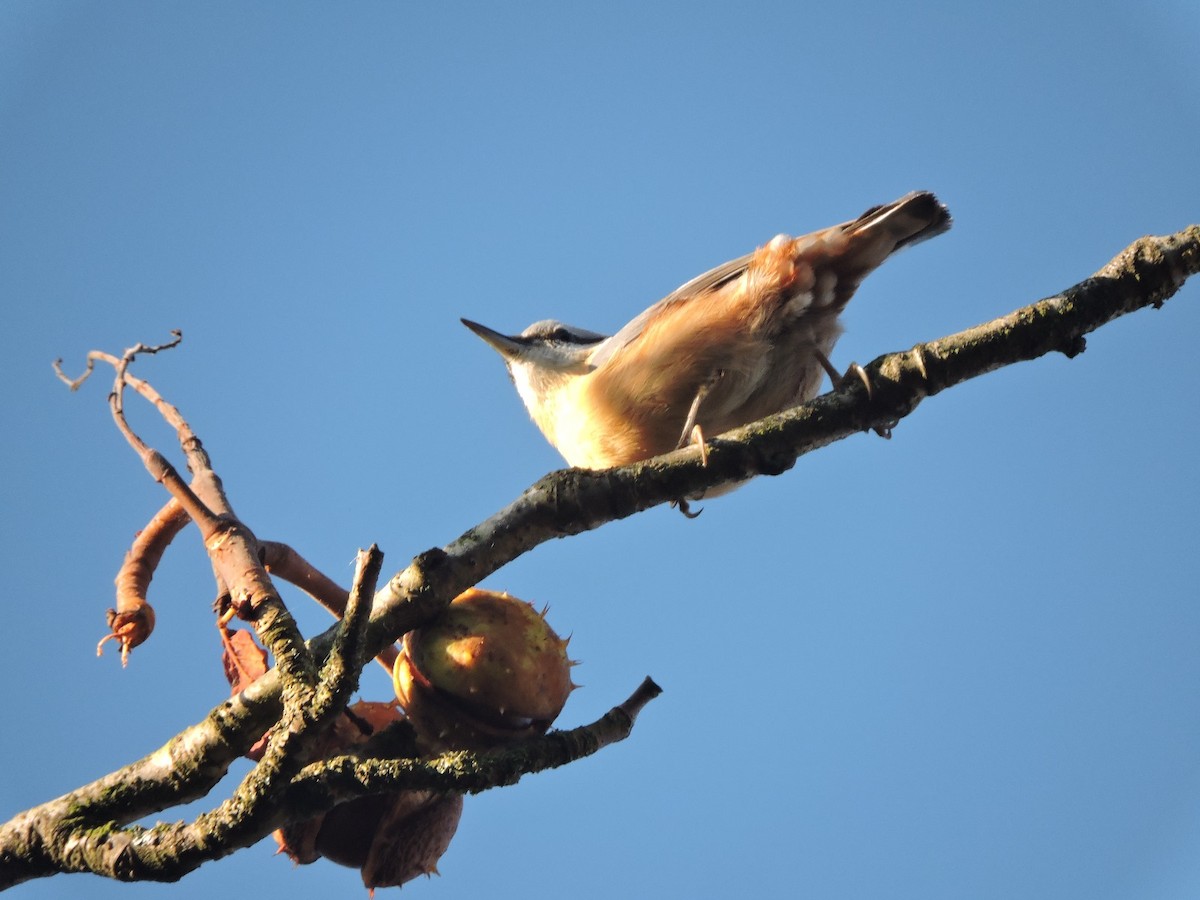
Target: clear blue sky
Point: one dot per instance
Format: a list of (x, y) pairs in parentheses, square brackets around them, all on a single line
[(963, 663)]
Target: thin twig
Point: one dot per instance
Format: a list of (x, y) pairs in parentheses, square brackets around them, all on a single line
[(284, 562), (132, 619), (339, 674)]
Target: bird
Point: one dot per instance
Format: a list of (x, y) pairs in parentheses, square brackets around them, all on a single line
[(747, 339)]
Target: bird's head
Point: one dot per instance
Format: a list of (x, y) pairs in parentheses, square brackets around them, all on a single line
[(543, 357)]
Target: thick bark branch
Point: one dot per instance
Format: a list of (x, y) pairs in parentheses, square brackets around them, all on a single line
[(571, 501), (81, 830)]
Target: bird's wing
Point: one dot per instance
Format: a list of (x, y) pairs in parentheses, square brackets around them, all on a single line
[(709, 281)]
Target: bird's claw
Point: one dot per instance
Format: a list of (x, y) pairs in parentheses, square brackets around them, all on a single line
[(885, 431), (856, 371)]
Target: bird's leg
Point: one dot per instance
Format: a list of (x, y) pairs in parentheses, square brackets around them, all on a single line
[(692, 432), (838, 379), (697, 438)]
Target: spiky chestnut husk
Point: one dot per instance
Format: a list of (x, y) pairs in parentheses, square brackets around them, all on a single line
[(389, 838), (490, 670)]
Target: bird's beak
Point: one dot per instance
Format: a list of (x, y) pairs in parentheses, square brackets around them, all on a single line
[(508, 347)]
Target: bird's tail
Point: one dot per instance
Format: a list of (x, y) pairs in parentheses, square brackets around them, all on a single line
[(913, 218)]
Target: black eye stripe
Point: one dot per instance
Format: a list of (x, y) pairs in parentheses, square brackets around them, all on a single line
[(549, 332)]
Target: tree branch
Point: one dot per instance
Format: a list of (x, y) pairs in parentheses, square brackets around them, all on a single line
[(168, 852), (49, 838), (571, 501)]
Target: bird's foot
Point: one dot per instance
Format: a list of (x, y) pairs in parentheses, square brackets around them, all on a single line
[(841, 380)]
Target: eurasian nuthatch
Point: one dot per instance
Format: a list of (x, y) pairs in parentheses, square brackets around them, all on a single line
[(748, 339)]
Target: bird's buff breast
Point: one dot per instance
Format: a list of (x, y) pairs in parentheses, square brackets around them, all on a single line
[(586, 432), (584, 428)]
